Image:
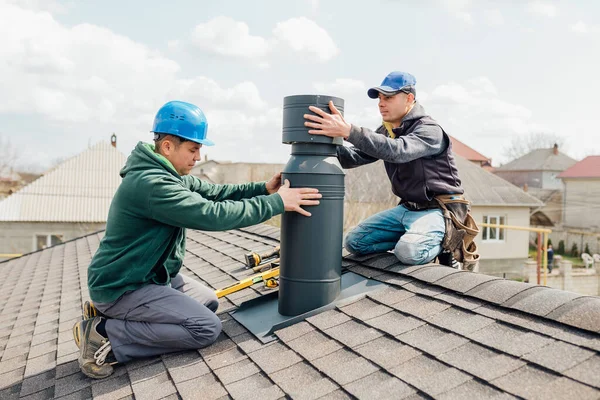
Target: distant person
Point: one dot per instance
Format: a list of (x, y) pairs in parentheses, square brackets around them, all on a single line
[(418, 158), (144, 305)]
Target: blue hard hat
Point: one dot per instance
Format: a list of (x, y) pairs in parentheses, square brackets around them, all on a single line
[(182, 119), (394, 82)]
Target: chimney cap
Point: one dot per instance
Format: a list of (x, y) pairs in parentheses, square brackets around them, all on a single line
[(113, 140), (555, 148)]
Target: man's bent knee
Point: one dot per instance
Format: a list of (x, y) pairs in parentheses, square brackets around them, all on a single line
[(352, 242), (416, 250), (205, 330)]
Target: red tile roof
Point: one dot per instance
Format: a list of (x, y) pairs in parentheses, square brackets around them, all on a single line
[(589, 167), (467, 152)]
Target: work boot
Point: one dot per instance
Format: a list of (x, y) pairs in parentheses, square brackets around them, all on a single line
[(94, 349), (90, 311)]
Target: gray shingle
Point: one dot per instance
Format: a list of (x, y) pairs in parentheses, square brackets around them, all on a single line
[(13, 363), (527, 381), (302, 381), (233, 328), (432, 340), (583, 313), (379, 385), (45, 394), (429, 375), (112, 388), (39, 364), (468, 303), (365, 309), (462, 283), (247, 342), (67, 369), (381, 261), (16, 351), (390, 295), (274, 358), (394, 279), (314, 345), (459, 321), (220, 345), (146, 372), (510, 340), (328, 319), (237, 371), (225, 358), (10, 378), (421, 306), (71, 384), (395, 323), (387, 352), (38, 382), (498, 291), (84, 394), (474, 390), (542, 301), (587, 371), (156, 387), (481, 362), (353, 333), (564, 388), (424, 288), (559, 356), (344, 366), (211, 388), (185, 366), (294, 331), (254, 387), (434, 273), (367, 272)]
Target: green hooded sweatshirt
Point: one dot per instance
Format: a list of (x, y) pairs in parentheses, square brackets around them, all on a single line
[(145, 232)]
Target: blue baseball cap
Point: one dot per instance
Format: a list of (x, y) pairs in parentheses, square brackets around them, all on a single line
[(394, 83)]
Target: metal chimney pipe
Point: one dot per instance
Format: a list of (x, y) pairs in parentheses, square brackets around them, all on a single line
[(311, 247)]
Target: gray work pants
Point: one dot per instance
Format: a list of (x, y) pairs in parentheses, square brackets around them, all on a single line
[(158, 319)]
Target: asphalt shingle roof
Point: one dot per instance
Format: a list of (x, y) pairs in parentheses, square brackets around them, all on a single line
[(433, 332), (78, 190), (539, 160)]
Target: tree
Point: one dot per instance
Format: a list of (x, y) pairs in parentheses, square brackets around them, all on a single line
[(561, 247), (587, 249), (8, 156), (574, 251), (521, 145)]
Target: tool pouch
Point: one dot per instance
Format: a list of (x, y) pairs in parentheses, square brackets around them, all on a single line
[(461, 230)]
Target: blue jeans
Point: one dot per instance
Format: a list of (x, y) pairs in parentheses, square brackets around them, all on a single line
[(415, 236)]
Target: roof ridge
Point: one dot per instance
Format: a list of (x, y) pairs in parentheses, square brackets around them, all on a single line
[(540, 301)]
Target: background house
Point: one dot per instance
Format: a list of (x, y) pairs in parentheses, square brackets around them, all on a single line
[(581, 219), (470, 154), (66, 202), (13, 181), (537, 173)]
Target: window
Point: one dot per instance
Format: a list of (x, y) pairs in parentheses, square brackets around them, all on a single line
[(43, 241), (489, 234)]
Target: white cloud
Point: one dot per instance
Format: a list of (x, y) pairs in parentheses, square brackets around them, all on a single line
[(86, 81), (494, 17), (227, 37), (542, 8), (474, 112), (314, 5), (582, 27), (458, 9), (305, 36), (341, 87)]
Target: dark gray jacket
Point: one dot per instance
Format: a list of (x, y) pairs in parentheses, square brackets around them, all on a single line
[(419, 161)]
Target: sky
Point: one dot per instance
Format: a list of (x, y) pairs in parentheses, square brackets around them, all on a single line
[(490, 72)]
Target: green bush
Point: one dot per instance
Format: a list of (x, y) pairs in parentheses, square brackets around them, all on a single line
[(587, 249), (561, 248), (574, 251)]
